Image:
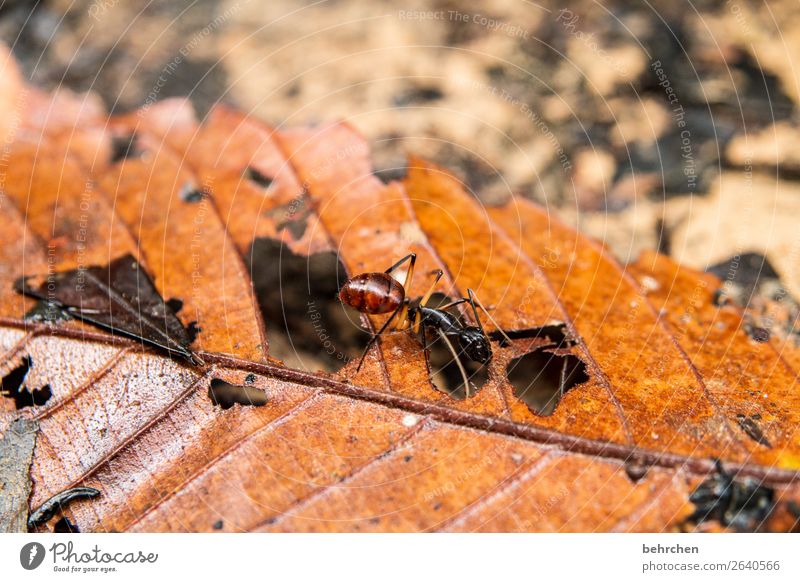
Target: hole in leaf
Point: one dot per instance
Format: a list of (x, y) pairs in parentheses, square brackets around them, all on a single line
[(307, 326), (295, 218), (557, 334), (175, 304), (635, 470), (258, 177), (123, 147), (13, 387), (541, 378), (64, 525), (191, 193), (225, 394), (444, 369)]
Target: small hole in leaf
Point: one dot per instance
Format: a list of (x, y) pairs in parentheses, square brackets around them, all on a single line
[(13, 387), (541, 378), (635, 470), (191, 193), (64, 525), (556, 334), (307, 326), (225, 394), (175, 304), (445, 372), (294, 217), (123, 147), (258, 177)]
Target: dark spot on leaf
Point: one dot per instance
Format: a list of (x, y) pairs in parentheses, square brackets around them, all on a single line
[(259, 178), (750, 427), (225, 394), (298, 295), (190, 193), (407, 458), (541, 378), (218, 525), (64, 525), (250, 378), (124, 147), (57, 503), (13, 387)]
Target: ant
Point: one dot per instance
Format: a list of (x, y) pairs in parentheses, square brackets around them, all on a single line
[(377, 293)]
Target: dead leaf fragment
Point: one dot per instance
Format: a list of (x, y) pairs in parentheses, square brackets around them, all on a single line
[(16, 453)]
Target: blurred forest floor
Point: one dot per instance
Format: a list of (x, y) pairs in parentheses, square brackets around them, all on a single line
[(669, 125)]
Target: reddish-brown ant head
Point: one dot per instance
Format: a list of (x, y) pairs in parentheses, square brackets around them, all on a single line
[(373, 293)]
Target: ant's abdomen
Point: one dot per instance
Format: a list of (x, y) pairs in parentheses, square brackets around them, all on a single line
[(372, 293)]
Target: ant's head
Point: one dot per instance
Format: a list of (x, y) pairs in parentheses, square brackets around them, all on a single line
[(475, 344)]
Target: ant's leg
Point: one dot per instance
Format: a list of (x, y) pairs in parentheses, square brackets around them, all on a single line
[(402, 321), (375, 337), (425, 348), (412, 256), (416, 326), (424, 301), (409, 273), (425, 298), (458, 362), (473, 300), (452, 304)]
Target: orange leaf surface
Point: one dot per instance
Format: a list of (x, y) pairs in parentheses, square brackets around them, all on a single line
[(674, 381)]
